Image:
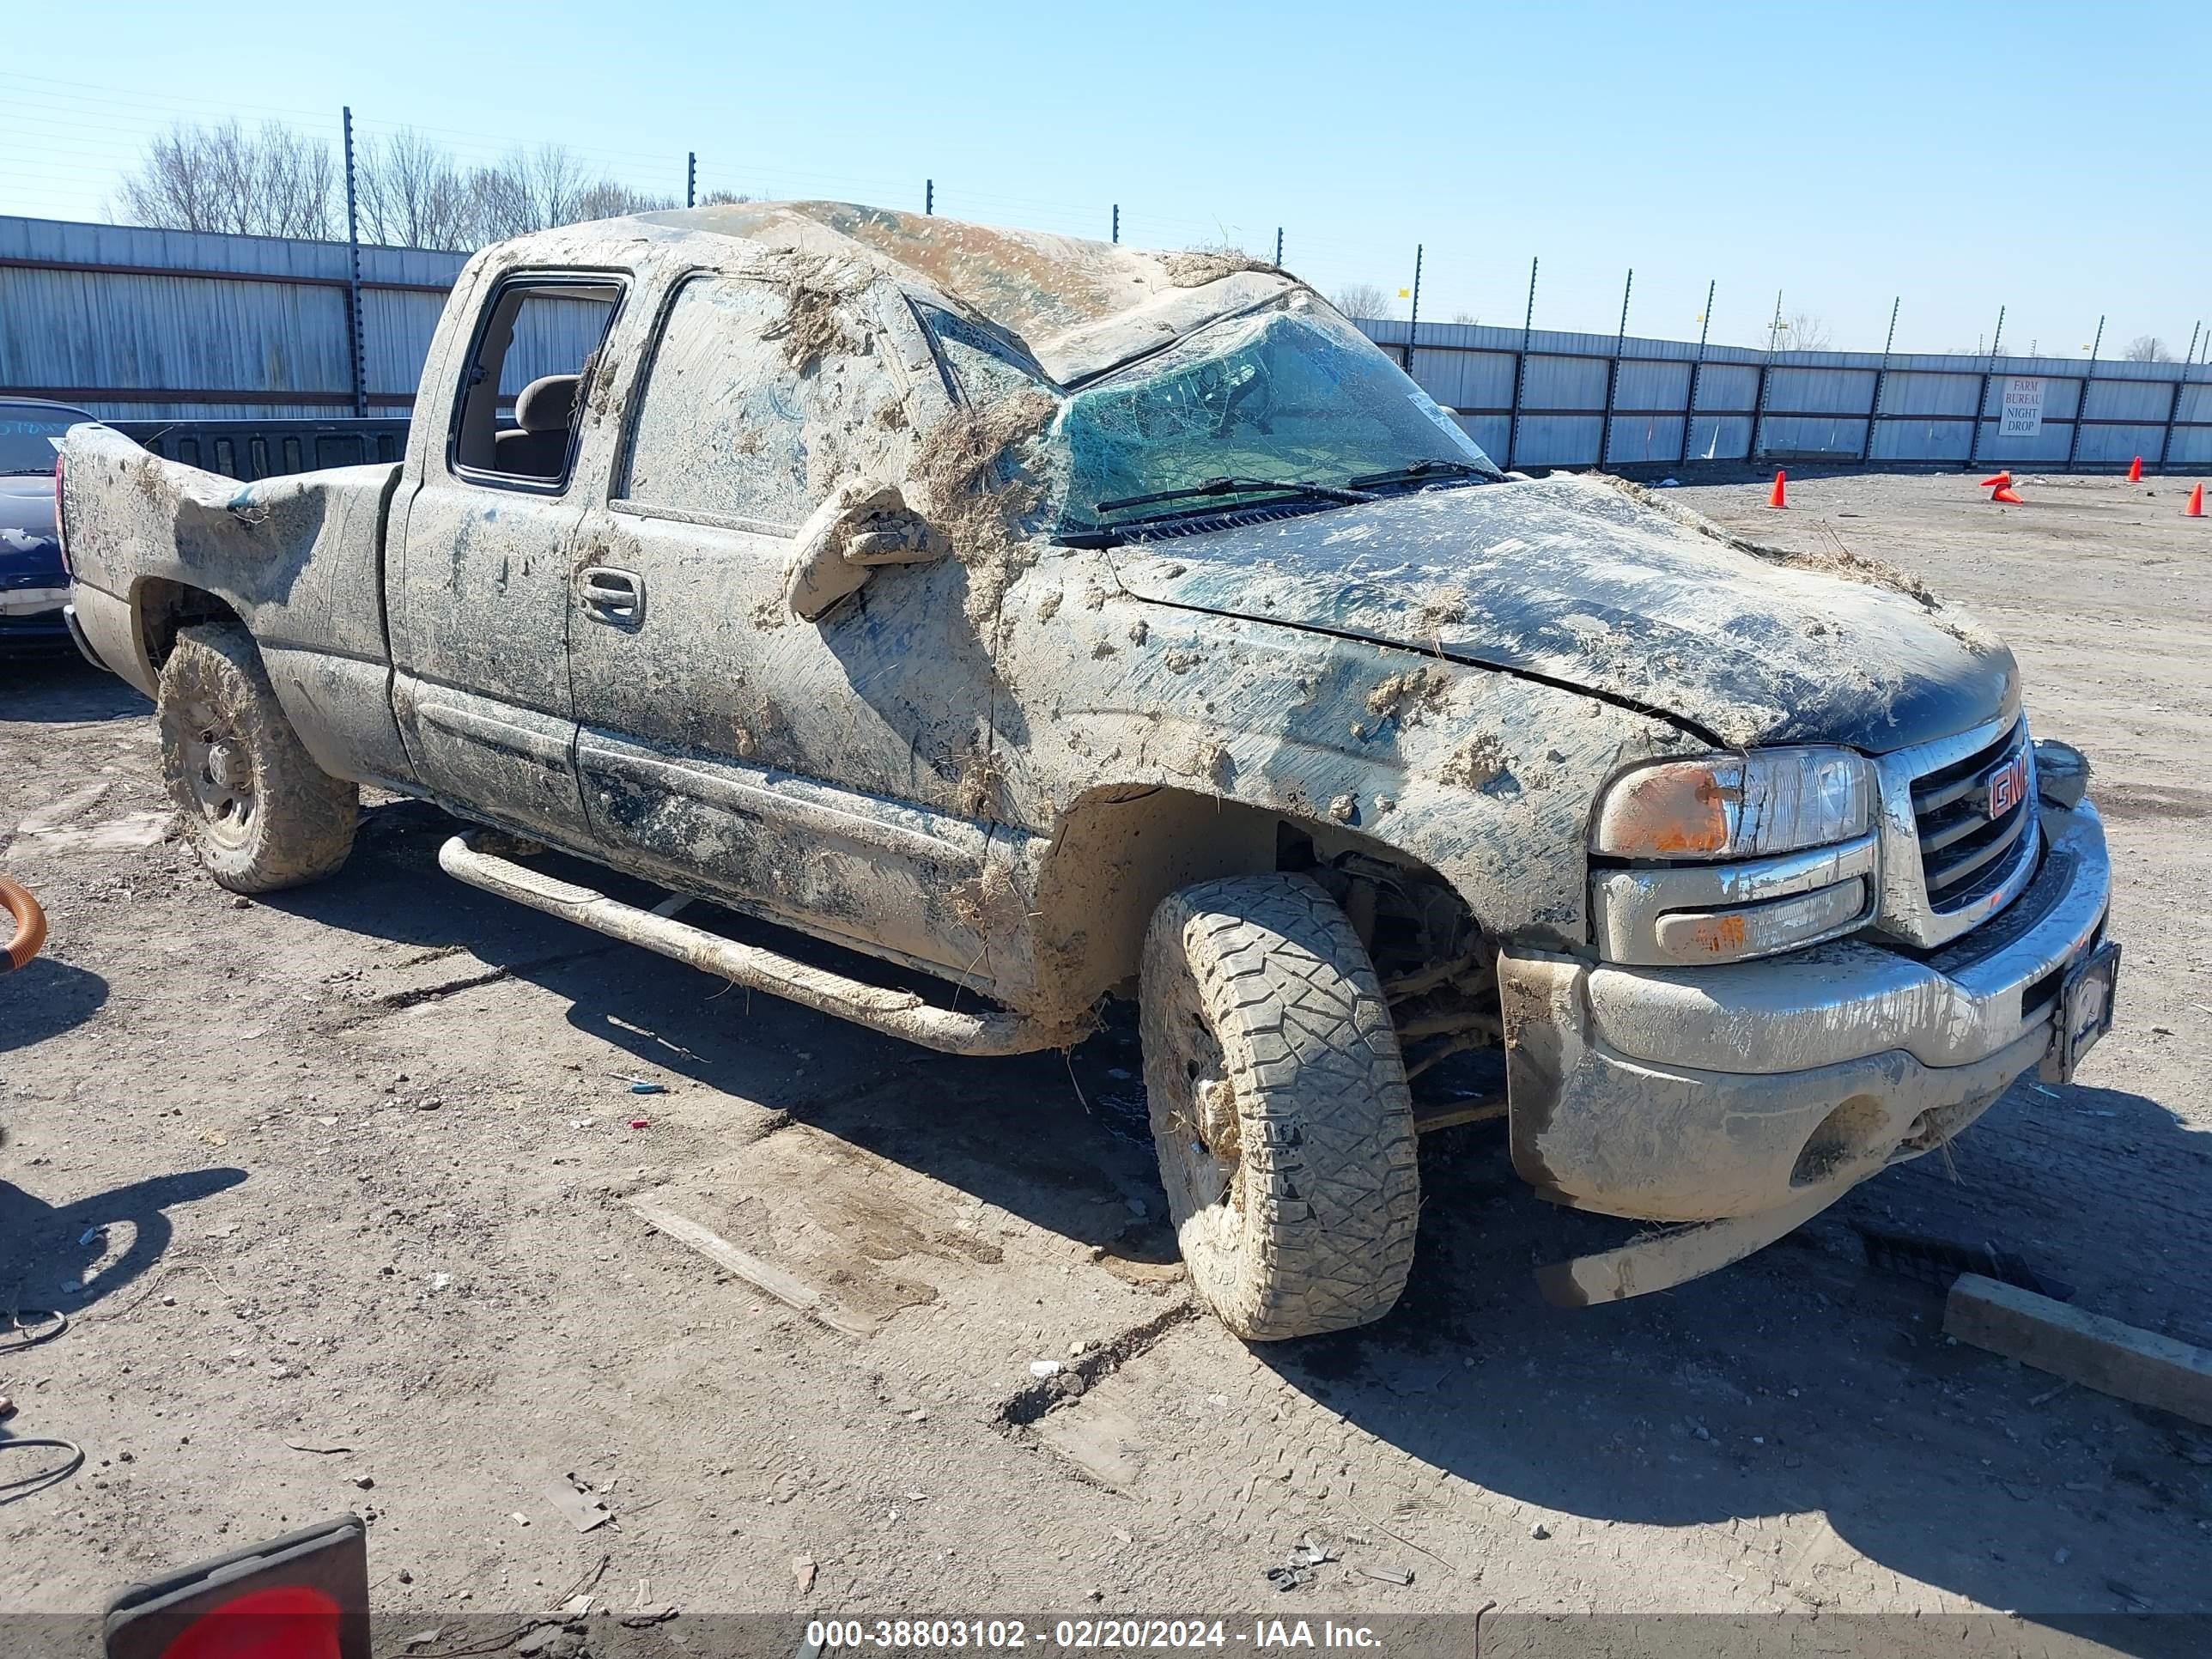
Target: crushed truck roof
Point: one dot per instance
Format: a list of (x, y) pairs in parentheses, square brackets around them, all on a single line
[(1080, 307)]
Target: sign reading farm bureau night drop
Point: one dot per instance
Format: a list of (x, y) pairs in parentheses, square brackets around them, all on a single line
[(2023, 406)]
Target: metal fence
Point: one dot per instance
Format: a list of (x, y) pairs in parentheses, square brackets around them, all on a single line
[(1535, 397), (138, 324)]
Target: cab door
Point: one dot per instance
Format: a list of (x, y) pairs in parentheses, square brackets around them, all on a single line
[(811, 772), (480, 595)]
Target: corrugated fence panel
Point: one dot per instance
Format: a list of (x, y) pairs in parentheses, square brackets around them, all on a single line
[(1554, 383), (1465, 379), (168, 333), (1908, 392), (396, 327), (158, 324), (1645, 438), (1819, 390), (1723, 386)]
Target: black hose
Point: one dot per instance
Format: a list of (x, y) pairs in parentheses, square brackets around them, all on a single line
[(33, 1484)]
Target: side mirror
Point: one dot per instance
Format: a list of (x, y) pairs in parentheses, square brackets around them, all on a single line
[(863, 524)]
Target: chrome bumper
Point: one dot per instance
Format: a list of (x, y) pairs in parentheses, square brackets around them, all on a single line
[(1680, 1094)]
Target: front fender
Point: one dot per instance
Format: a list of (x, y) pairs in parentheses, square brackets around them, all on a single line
[(1485, 776)]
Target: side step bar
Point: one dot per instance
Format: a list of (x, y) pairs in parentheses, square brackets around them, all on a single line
[(896, 1014)]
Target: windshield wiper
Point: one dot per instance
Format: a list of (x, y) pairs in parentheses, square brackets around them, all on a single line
[(1239, 487), (1418, 470)]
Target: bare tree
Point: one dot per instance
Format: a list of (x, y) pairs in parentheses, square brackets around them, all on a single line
[(411, 195), (724, 199), (1801, 331), (2146, 349), (1465, 317), (274, 182), (1361, 300)]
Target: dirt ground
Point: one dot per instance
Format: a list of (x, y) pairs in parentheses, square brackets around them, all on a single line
[(337, 1190)]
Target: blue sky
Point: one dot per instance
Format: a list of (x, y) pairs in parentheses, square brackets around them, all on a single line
[(2050, 158)]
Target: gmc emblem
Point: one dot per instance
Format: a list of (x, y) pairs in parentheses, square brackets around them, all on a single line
[(2009, 786)]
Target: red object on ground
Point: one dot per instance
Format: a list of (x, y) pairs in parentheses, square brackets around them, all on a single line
[(1781, 496), (284, 1621), (29, 931), (2196, 508), (2134, 471), (2007, 495), (638, 1122), (2001, 478)]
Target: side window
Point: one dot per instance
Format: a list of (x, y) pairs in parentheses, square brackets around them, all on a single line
[(528, 372), (758, 402)]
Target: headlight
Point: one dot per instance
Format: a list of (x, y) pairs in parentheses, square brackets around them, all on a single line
[(1733, 807), (1735, 856)]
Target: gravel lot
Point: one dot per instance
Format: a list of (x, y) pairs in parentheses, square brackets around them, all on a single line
[(354, 1168)]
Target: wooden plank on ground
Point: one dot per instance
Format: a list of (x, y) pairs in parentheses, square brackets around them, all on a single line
[(763, 1276), (2122, 1360)]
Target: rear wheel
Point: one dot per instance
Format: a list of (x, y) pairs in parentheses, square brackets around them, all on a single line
[(260, 813), (1279, 1107)]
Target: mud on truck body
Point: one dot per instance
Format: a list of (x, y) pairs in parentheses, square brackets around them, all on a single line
[(1066, 622)]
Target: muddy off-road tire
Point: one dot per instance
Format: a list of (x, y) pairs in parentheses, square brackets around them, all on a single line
[(1280, 1108), (258, 812)]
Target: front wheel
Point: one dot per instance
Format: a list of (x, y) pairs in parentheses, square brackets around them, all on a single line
[(257, 809), (1279, 1107)]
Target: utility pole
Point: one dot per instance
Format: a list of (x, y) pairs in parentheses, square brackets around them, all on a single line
[(929, 195), (1697, 369), (1612, 374), (2082, 397), (1981, 409), (691, 179), (1881, 379), (1413, 327), (1774, 328), (1117, 222), (1521, 369), (1278, 247), (353, 279)]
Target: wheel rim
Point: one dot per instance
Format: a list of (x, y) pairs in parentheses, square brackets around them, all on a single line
[(218, 773), (1202, 1131)]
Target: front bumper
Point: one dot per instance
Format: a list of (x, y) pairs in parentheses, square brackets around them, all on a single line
[(1695, 1094)]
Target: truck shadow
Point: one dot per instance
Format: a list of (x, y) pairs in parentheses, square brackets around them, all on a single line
[(1803, 1407), (60, 688), (45, 997), (65, 1257), (1806, 1392)]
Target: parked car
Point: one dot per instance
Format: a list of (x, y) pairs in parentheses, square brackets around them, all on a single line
[(1064, 622), (34, 585)]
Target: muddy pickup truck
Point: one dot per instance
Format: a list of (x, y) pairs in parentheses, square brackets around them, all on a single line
[(1049, 621)]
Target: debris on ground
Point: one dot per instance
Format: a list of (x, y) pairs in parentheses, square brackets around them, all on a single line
[(1298, 1566), (804, 1570), (580, 1502)]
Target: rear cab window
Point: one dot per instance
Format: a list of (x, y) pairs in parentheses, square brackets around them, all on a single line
[(526, 378)]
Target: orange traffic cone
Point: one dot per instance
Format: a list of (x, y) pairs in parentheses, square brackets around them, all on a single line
[(2196, 508), (2006, 495), (2002, 480), (2134, 471), (1781, 496)]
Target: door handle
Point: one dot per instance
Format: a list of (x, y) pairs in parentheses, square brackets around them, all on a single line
[(610, 595)]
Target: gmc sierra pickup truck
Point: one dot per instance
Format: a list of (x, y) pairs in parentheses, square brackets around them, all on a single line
[(1054, 621)]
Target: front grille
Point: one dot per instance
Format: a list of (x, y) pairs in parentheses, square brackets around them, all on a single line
[(1966, 853)]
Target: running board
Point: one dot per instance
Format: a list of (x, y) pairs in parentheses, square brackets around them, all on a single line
[(896, 1014)]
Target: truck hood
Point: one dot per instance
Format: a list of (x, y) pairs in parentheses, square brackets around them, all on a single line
[(1583, 583), (28, 547)]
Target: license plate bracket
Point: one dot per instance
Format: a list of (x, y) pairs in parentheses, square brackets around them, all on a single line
[(2084, 1013)]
